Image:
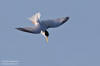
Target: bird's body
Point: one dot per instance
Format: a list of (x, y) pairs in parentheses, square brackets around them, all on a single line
[(42, 26)]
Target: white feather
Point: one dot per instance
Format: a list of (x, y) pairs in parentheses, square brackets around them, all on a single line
[(35, 18)]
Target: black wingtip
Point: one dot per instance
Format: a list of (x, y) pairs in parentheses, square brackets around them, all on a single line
[(21, 29), (66, 19), (24, 30), (18, 28)]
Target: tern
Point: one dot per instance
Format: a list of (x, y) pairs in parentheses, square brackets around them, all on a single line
[(41, 26)]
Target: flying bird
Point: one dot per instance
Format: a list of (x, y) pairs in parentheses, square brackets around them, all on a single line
[(41, 26)]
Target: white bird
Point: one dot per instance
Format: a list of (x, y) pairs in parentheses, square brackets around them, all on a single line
[(43, 25)]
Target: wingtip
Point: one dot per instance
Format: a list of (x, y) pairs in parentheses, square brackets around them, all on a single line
[(18, 28), (66, 19), (21, 29), (24, 30)]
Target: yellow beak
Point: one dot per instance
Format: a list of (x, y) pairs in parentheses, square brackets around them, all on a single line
[(46, 39)]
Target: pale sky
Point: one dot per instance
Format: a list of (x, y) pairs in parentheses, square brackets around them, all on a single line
[(76, 43)]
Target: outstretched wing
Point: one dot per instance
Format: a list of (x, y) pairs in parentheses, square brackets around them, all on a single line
[(54, 23), (34, 30), (35, 18)]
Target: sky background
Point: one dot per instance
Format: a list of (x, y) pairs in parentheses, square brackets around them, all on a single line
[(75, 43)]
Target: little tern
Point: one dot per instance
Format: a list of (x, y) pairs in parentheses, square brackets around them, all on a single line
[(41, 26)]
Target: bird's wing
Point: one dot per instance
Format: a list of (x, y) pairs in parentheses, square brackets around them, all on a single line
[(34, 30), (35, 18), (54, 23)]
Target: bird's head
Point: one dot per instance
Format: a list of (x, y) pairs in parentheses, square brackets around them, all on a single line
[(45, 34)]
